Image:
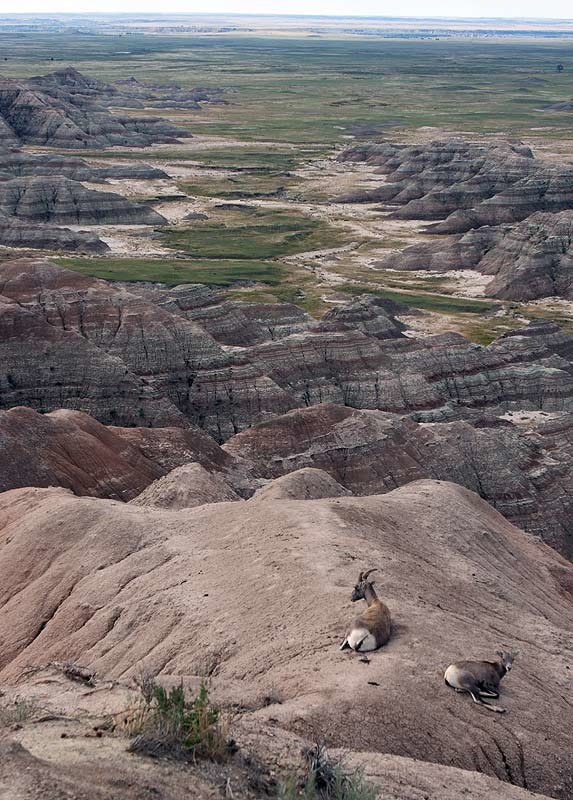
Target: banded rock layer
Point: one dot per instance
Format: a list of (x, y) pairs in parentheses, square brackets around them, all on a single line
[(64, 110), (177, 362), (74, 342), (507, 214), (526, 475), (530, 260)]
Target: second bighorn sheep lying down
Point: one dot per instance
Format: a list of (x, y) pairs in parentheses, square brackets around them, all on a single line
[(480, 678), (372, 628)]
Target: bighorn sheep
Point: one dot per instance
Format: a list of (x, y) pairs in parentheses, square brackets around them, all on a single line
[(372, 628), (480, 678)]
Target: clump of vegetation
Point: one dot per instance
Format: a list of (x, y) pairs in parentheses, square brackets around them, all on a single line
[(264, 235), (326, 779), (166, 724), (429, 302), (172, 271), (16, 713)]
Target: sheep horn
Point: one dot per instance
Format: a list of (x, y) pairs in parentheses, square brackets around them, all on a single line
[(366, 574)]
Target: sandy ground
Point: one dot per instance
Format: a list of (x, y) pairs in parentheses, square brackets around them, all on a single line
[(530, 419), (552, 305), (135, 188), (464, 282), (127, 240)]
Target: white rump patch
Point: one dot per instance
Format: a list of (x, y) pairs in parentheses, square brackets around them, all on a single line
[(358, 635), (451, 676)]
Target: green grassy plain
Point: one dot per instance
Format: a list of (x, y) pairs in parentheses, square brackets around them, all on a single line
[(315, 91), (294, 99), (261, 235), (172, 271)]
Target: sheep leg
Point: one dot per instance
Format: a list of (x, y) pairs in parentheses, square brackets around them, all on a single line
[(345, 645), (476, 697), (488, 693)]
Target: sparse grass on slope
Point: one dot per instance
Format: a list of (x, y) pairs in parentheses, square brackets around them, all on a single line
[(325, 779), (429, 302)]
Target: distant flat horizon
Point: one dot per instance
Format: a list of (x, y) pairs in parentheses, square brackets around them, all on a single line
[(517, 11), (270, 14)]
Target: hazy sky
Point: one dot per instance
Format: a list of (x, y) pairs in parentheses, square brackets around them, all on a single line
[(562, 9)]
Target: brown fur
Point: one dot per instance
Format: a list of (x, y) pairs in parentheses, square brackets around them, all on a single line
[(480, 678), (376, 617)]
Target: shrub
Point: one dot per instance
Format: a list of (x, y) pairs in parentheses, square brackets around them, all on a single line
[(166, 724), (326, 779), (16, 713)]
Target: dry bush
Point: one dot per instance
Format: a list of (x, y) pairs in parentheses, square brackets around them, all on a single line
[(165, 724), (326, 779), (17, 712)]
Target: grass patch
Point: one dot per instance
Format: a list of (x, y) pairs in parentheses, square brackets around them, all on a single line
[(302, 298), (166, 724), (244, 158), (243, 185), (251, 296), (173, 271), (325, 779), (428, 302), (16, 713), (485, 332), (265, 235)]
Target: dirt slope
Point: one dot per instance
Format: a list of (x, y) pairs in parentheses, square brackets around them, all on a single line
[(256, 594)]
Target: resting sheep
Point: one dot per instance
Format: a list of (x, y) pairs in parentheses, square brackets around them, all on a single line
[(372, 628), (480, 678)]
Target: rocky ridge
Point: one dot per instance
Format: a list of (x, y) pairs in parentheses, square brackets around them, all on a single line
[(79, 343), (41, 193), (83, 90), (527, 475), (226, 390), (506, 213), (121, 588), (65, 110), (71, 449), (529, 260), (62, 201)]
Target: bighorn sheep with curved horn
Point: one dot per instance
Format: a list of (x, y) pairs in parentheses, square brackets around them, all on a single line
[(372, 628), (480, 678)]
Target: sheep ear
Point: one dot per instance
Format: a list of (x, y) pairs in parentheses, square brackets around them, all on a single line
[(500, 653)]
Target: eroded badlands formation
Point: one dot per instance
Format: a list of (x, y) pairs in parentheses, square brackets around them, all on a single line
[(189, 485), (372, 407), (42, 192), (495, 209), (68, 110), (257, 593)]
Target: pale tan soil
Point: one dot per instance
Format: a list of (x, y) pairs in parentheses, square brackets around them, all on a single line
[(256, 594), (135, 188), (127, 240), (462, 282), (551, 305), (530, 419), (428, 323), (175, 211)]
